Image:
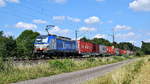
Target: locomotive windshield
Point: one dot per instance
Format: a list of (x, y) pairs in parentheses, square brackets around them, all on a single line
[(42, 39)]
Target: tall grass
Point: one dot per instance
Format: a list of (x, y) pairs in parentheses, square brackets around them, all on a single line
[(143, 77), (124, 75), (25, 72), (5, 66), (66, 65), (11, 73)]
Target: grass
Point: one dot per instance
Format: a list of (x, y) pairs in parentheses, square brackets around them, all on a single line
[(10, 73), (143, 77), (134, 73)]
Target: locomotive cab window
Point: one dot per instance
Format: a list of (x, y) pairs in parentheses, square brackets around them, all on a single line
[(42, 39)]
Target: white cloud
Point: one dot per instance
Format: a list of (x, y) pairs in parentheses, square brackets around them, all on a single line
[(79, 38), (25, 25), (132, 41), (148, 40), (87, 29), (100, 36), (136, 43), (13, 1), (39, 21), (59, 1), (73, 19), (62, 18), (41, 32), (100, 0), (148, 34), (128, 35), (59, 30), (2, 3), (65, 31), (92, 20), (121, 27), (140, 5), (59, 18)]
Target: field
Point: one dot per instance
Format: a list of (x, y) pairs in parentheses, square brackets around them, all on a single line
[(134, 73), (10, 73)]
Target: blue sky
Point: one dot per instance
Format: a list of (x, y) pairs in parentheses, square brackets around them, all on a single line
[(130, 19)]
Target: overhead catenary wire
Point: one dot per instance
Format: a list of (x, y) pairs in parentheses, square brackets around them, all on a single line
[(25, 15), (15, 15), (41, 12), (20, 13)]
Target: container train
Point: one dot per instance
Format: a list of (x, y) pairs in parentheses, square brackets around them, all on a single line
[(52, 45)]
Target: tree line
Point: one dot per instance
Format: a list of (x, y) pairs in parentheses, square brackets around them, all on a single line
[(145, 48), (22, 46)]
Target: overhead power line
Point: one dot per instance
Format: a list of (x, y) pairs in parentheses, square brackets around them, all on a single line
[(29, 15)]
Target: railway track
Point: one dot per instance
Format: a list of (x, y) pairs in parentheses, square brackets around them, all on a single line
[(38, 61)]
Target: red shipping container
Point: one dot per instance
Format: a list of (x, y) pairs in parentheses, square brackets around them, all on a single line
[(96, 48), (123, 52), (85, 47), (110, 50)]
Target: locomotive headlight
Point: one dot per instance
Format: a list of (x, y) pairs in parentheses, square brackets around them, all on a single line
[(41, 46), (46, 45), (36, 45)]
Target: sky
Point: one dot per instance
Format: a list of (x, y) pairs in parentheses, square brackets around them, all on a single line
[(129, 19)]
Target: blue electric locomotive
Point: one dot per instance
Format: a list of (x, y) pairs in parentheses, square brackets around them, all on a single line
[(54, 45)]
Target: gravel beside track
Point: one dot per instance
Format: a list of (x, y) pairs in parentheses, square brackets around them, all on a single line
[(77, 77)]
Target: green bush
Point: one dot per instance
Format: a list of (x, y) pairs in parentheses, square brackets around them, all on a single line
[(91, 59), (119, 58), (139, 53), (56, 64), (100, 60), (2, 66), (62, 65), (149, 59), (126, 56)]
